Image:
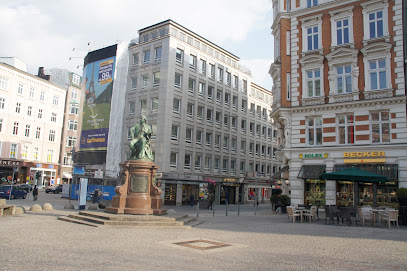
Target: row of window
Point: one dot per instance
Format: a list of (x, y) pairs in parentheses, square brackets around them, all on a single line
[(146, 57), (379, 129), (31, 93), (25, 153), (218, 165)]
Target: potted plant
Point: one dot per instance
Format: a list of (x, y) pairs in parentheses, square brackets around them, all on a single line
[(285, 201), (402, 196)]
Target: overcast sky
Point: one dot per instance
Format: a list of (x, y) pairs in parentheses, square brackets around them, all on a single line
[(44, 32)]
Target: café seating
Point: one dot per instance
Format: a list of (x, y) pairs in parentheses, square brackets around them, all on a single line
[(330, 213), (392, 216), (366, 214), (293, 213), (311, 214), (345, 213)]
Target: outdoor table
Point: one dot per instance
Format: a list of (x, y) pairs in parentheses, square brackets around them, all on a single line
[(301, 210), (376, 213)]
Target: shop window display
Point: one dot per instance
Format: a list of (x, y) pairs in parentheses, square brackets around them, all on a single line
[(170, 194), (187, 190), (315, 192), (344, 195)]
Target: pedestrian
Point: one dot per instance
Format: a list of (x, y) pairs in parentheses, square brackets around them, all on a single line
[(278, 205), (35, 193), (96, 196), (191, 199), (210, 198), (256, 200)]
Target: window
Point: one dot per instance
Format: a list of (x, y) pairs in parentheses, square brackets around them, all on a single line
[(76, 79), (200, 112), (378, 74), (189, 135), (20, 89), (244, 86), (235, 82), (176, 106), (50, 155), (312, 3), (13, 150), (258, 111), (156, 78), (244, 106), (242, 167), (225, 163), (18, 107), (234, 123), (73, 109), (212, 71), (178, 80), (313, 82), (133, 83), (146, 57), (252, 109), (32, 92), (251, 128), (154, 105), (199, 138), (225, 142), (346, 129), (227, 99), (143, 106), (228, 79), (27, 130), (210, 92), (42, 96), (312, 38), (344, 79), (192, 62), (220, 75), (218, 117), (1, 128), (376, 24), (258, 129), (288, 42), (29, 110), (190, 110), (53, 117), (38, 133), (144, 79), (2, 102), (40, 113), (243, 146), (234, 102), (198, 162), (70, 141), (219, 96), (36, 153), (216, 164), (174, 132), (209, 115), (208, 163), (187, 161), (243, 126), (157, 53), (132, 107), (314, 131), (342, 31), (51, 136), (201, 89), (226, 122), (74, 94), (55, 100), (179, 56), (375, 20), (209, 139), (15, 128), (380, 122), (217, 141), (191, 85), (136, 59), (234, 144), (202, 67)]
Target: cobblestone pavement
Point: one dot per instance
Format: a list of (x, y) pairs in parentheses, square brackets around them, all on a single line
[(38, 241)]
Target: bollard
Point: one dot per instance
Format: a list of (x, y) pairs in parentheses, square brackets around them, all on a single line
[(226, 209), (197, 209), (213, 209), (238, 208)]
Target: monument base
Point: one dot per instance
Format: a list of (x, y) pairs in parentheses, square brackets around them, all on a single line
[(139, 194)]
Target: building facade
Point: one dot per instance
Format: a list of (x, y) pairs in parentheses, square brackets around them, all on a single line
[(339, 97), (31, 120), (72, 83), (210, 123)]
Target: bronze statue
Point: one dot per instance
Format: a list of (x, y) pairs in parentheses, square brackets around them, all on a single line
[(140, 141)]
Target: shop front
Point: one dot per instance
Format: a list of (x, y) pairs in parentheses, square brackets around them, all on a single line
[(314, 187), (9, 170), (262, 188)]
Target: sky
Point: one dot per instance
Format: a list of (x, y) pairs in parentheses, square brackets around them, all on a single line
[(58, 34)]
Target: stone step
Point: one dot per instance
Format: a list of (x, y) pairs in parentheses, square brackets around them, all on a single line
[(124, 217), (77, 221)]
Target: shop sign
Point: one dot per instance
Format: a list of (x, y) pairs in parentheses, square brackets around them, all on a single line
[(9, 163), (39, 165), (79, 170), (313, 155), (364, 154), (50, 166), (229, 180)]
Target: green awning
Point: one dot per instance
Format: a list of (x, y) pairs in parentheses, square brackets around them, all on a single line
[(354, 174)]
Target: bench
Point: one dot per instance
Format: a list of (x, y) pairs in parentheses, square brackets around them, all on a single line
[(6, 210)]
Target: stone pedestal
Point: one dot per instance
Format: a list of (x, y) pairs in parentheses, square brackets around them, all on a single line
[(139, 194)]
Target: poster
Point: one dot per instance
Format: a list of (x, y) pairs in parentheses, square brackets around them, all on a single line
[(83, 189)]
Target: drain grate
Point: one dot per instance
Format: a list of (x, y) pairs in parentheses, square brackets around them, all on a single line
[(202, 244)]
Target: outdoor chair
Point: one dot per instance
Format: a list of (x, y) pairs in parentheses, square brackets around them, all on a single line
[(353, 213), (310, 214), (293, 213), (366, 214), (327, 214), (345, 213), (393, 216), (334, 211)]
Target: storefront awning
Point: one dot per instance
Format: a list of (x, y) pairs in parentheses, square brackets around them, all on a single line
[(66, 175), (279, 174), (354, 174), (311, 171)]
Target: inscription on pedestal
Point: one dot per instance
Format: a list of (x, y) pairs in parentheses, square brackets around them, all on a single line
[(138, 183)]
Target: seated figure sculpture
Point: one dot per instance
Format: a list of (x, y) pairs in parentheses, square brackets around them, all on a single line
[(140, 141)]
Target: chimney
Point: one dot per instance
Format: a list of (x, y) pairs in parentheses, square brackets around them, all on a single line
[(41, 74)]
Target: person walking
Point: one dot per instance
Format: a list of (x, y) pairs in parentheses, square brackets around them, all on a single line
[(191, 199), (210, 198), (35, 193)]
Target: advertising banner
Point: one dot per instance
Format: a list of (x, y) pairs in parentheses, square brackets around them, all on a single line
[(83, 193)]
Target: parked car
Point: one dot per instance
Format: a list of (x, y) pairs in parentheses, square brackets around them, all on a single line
[(54, 189), (15, 190), (27, 187)]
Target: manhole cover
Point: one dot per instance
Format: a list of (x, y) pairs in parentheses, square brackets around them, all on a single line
[(202, 244)]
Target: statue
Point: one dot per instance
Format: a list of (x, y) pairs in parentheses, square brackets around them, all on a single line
[(140, 141)]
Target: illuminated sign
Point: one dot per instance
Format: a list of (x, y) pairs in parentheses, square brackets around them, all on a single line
[(364, 154), (313, 155)]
